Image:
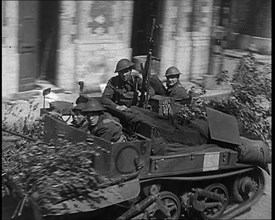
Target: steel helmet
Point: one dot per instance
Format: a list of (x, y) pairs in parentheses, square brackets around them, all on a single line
[(172, 71), (79, 106), (123, 64), (82, 99), (93, 105)]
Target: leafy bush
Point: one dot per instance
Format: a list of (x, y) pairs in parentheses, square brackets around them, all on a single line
[(222, 77), (18, 119), (53, 173), (249, 100)]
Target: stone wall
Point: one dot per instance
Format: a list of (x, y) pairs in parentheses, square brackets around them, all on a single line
[(94, 36), (250, 24), (186, 37), (10, 56)]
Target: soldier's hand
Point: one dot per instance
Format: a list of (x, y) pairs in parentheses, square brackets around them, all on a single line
[(122, 108)]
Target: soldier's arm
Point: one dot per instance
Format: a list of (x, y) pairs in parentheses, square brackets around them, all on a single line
[(108, 93), (151, 91), (180, 93)]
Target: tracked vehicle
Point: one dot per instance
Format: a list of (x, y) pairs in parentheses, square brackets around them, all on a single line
[(202, 170), (159, 178)]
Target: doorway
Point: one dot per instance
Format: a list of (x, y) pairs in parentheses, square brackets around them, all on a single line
[(144, 11), (37, 42), (48, 32)]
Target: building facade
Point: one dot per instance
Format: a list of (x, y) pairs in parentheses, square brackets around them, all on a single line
[(66, 42)]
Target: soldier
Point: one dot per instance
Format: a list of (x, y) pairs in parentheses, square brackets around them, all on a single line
[(119, 91), (174, 88), (101, 123), (79, 120)]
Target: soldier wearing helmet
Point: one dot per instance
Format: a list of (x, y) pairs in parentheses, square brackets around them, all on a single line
[(174, 88), (79, 120), (101, 123), (119, 91)]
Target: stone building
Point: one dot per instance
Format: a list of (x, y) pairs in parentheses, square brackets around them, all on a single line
[(68, 41)]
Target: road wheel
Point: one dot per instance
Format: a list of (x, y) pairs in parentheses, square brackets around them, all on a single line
[(167, 207), (215, 208), (244, 188)]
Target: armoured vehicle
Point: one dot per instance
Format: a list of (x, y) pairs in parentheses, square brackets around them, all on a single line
[(159, 177), (203, 170)]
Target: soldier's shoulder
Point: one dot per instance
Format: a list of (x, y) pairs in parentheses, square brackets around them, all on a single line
[(114, 78), (181, 87), (107, 120)]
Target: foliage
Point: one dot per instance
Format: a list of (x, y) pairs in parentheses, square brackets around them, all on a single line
[(23, 119), (222, 77), (52, 173), (249, 100), (195, 110)]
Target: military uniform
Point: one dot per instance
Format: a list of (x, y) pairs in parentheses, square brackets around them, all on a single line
[(176, 89), (119, 92), (178, 92), (108, 127)]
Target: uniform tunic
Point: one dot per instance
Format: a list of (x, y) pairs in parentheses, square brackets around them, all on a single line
[(178, 92), (108, 127), (119, 92)]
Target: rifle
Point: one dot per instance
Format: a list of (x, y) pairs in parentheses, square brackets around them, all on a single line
[(135, 98), (146, 71)]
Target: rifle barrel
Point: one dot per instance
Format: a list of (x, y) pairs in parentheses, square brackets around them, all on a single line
[(19, 135)]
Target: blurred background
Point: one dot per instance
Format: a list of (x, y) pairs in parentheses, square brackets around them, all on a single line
[(64, 42)]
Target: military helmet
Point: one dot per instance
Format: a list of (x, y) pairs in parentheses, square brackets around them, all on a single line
[(123, 64), (93, 105), (171, 71), (79, 106), (82, 99)]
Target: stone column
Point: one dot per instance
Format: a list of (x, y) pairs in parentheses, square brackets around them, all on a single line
[(183, 39), (66, 67), (168, 43), (10, 55), (201, 35)]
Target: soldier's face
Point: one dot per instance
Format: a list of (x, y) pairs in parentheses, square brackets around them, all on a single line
[(125, 74), (172, 80), (93, 118), (78, 118)]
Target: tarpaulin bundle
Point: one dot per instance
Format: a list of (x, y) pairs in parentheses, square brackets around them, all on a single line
[(195, 133), (254, 151)]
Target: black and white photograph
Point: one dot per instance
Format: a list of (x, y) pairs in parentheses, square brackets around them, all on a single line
[(136, 110)]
